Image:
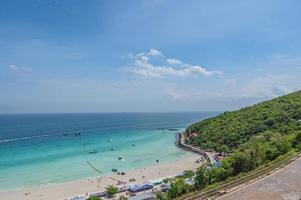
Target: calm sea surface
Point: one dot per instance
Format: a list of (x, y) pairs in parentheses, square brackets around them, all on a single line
[(39, 149)]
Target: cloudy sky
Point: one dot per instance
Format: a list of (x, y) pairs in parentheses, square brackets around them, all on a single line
[(146, 55)]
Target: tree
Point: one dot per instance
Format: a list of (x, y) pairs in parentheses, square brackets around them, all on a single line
[(111, 190), (202, 177), (240, 163), (297, 140), (226, 164), (223, 148), (188, 174), (165, 180), (177, 188), (283, 146), (271, 153), (162, 196), (217, 174), (231, 129)]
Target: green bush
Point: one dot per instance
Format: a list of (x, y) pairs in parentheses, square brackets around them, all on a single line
[(111, 190), (202, 177), (178, 187)]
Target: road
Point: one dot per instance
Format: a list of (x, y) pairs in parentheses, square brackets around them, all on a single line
[(282, 185)]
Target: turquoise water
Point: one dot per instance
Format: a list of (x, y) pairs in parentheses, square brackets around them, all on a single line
[(43, 149)]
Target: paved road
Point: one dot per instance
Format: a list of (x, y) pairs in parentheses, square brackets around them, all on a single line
[(283, 185)]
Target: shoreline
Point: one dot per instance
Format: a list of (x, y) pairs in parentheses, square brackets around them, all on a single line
[(95, 184), (181, 144), (176, 143)]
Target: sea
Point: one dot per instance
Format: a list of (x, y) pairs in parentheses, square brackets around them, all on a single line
[(39, 149)]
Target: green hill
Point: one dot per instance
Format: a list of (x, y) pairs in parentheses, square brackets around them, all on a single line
[(254, 136), (264, 121)]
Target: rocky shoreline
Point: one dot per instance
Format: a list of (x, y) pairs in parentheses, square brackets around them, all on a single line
[(187, 147)]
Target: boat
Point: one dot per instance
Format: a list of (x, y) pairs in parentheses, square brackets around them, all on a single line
[(120, 158), (93, 152), (114, 170), (77, 134)]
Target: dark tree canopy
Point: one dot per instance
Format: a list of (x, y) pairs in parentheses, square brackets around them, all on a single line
[(226, 132)]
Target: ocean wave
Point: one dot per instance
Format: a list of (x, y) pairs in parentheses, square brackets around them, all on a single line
[(28, 138), (66, 133)]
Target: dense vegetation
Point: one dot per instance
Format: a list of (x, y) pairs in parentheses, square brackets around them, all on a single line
[(111, 190), (274, 118), (254, 136)]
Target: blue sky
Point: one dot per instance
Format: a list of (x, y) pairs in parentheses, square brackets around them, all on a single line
[(146, 55)]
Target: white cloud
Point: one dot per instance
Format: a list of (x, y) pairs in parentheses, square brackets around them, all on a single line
[(151, 52), (178, 94), (173, 61), (13, 67), (144, 67), (230, 83), (21, 71), (154, 52), (16, 68), (234, 90), (269, 86)]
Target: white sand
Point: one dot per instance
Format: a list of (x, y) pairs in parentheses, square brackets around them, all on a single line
[(64, 190)]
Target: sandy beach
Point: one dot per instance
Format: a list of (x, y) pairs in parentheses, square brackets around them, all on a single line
[(96, 184)]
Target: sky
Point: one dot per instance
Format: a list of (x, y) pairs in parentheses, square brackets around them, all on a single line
[(74, 56)]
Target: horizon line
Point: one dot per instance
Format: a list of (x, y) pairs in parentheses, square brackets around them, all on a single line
[(112, 112)]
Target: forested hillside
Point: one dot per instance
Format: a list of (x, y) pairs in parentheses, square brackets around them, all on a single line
[(264, 121), (254, 136)]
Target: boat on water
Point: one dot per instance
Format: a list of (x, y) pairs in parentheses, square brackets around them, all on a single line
[(77, 134), (119, 157), (93, 152), (114, 170)]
